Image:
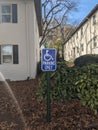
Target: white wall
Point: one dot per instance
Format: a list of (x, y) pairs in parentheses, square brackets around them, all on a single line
[(23, 34), (33, 37)]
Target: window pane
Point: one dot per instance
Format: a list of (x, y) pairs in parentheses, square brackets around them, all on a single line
[(94, 19), (82, 47), (7, 58), (6, 18), (6, 9), (95, 42), (6, 50)]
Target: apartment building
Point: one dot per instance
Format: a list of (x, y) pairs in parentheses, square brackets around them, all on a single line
[(84, 40), (20, 31)]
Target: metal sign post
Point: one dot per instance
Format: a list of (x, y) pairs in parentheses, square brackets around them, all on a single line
[(48, 98), (48, 63)]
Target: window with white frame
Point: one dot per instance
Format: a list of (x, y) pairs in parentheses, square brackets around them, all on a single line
[(8, 13), (71, 53), (94, 42), (76, 35), (77, 49), (82, 47), (8, 54), (73, 38), (81, 31), (94, 19), (74, 52)]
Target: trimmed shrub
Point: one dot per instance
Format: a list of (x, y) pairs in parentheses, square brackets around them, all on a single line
[(56, 81), (87, 86), (86, 60), (72, 83), (61, 82)]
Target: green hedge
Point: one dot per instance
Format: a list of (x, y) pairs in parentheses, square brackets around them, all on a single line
[(57, 81), (86, 60), (72, 83), (87, 86)]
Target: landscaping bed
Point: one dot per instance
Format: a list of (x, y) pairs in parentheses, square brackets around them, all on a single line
[(67, 115)]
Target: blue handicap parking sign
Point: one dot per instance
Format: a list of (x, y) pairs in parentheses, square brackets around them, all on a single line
[(48, 61)]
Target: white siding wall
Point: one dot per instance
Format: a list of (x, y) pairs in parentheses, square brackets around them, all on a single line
[(34, 39), (25, 34)]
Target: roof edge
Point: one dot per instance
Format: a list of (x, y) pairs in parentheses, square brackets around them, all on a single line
[(38, 9), (83, 22)]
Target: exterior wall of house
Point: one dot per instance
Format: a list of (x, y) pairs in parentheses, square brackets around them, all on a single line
[(82, 41), (25, 34), (33, 35)]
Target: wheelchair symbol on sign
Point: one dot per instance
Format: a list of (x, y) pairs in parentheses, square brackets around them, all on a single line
[(47, 56)]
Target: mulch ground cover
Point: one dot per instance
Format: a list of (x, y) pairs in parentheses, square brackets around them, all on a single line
[(69, 115)]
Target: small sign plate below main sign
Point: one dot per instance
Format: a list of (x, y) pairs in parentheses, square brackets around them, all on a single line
[(48, 62)]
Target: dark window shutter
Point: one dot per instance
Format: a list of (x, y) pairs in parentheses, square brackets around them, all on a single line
[(0, 54), (15, 54), (14, 13)]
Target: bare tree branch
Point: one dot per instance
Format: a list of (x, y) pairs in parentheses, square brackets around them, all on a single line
[(54, 13)]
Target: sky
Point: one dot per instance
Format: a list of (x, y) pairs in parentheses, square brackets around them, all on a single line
[(84, 8)]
